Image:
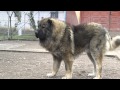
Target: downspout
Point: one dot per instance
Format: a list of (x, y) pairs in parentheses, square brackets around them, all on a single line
[(65, 15), (109, 19)]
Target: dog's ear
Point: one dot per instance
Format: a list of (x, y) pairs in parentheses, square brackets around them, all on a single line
[(38, 22), (50, 21)]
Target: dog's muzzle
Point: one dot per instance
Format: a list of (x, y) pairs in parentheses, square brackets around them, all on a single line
[(36, 33)]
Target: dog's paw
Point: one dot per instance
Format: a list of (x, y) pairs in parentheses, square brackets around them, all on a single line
[(91, 74), (67, 77), (97, 78), (50, 75), (64, 77)]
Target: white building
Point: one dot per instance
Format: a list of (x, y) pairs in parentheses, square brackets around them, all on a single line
[(24, 24)]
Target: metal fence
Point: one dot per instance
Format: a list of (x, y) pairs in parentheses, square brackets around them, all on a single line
[(24, 31)]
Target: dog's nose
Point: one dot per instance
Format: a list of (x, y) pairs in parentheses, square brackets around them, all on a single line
[(36, 33)]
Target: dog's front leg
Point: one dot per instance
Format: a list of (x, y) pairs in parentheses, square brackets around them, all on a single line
[(56, 65), (68, 66)]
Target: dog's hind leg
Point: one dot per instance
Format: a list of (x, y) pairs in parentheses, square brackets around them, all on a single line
[(56, 65), (98, 61), (97, 49), (93, 61)]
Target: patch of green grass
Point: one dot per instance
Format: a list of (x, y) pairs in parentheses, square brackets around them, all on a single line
[(3, 37), (16, 37), (24, 37)]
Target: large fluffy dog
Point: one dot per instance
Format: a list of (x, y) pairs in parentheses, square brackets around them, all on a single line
[(66, 42)]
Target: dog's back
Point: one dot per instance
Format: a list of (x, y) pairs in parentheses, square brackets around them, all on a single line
[(86, 36)]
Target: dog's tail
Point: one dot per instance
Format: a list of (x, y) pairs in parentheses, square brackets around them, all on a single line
[(112, 42), (115, 42)]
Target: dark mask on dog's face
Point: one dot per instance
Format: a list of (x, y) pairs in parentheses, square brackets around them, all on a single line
[(36, 33), (44, 29)]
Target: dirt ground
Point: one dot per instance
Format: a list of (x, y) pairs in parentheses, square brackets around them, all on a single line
[(22, 65), (26, 65)]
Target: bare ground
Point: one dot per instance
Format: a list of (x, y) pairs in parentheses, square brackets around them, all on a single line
[(25, 65), (21, 65)]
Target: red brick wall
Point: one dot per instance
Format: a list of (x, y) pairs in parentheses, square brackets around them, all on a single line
[(71, 17), (101, 17), (111, 22), (115, 21)]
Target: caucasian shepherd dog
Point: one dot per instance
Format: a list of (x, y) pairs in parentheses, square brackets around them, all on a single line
[(65, 42)]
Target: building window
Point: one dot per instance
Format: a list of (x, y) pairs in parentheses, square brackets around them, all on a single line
[(54, 14)]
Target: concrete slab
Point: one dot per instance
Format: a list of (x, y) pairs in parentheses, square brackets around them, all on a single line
[(34, 47), (113, 54), (16, 47), (26, 50), (9, 46)]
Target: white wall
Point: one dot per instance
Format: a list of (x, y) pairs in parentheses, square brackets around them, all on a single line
[(61, 15)]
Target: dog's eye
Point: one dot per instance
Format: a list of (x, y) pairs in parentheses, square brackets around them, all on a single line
[(39, 25), (43, 26)]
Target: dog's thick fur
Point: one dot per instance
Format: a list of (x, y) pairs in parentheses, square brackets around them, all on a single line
[(66, 42)]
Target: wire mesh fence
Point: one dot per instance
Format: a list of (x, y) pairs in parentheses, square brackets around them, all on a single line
[(23, 31)]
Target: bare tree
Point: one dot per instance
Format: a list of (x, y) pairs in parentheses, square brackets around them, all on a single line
[(18, 15), (32, 21), (10, 13)]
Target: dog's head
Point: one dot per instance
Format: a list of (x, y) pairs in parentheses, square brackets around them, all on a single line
[(50, 28), (45, 27)]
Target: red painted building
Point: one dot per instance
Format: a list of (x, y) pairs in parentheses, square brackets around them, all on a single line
[(109, 19)]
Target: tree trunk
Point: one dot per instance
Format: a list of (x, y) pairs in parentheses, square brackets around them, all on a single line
[(32, 21), (10, 28), (9, 24)]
